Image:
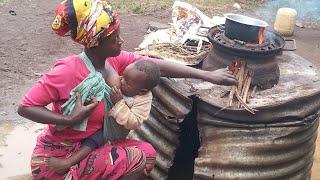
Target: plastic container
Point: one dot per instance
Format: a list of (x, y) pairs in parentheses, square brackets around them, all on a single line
[(285, 21)]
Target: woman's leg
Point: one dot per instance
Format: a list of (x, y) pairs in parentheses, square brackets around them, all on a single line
[(134, 176), (45, 148), (127, 158), (147, 149), (123, 159)]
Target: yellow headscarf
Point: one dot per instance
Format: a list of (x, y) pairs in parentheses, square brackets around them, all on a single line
[(88, 20)]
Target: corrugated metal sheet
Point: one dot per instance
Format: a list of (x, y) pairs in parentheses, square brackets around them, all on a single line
[(276, 143), (169, 108)]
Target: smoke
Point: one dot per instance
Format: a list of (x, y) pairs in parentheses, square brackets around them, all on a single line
[(270, 37), (308, 11)]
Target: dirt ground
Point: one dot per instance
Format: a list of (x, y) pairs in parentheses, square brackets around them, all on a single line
[(29, 48)]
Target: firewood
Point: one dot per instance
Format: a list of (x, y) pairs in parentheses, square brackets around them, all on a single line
[(245, 79), (233, 88), (241, 91), (253, 92), (232, 91), (244, 84), (241, 96), (245, 105), (241, 76), (245, 96)]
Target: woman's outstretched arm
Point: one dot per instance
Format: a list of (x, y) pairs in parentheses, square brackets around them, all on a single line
[(174, 70), (170, 69)]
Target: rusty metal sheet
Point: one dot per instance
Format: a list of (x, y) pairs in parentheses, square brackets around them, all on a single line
[(169, 107), (296, 109), (278, 142), (280, 148), (298, 77)]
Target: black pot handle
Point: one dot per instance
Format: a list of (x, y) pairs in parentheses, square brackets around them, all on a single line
[(205, 27), (294, 45)]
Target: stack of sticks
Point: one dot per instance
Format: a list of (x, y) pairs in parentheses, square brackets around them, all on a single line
[(182, 52), (241, 90)]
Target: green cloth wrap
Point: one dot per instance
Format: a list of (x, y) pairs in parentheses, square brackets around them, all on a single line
[(93, 85)]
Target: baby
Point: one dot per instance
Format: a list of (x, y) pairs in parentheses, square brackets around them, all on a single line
[(132, 105)]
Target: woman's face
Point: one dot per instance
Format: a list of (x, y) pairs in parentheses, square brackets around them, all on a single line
[(111, 45)]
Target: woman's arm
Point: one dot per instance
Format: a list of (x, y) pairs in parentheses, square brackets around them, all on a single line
[(42, 115), (174, 70), (170, 69)]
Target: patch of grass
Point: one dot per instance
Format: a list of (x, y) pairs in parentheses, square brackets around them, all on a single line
[(250, 4), (141, 6), (138, 10), (3, 1), (158, 7)]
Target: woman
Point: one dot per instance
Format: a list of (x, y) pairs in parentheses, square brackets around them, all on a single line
[(93, 24)]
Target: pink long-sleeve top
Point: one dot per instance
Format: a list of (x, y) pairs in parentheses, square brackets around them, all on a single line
[(56, 85)]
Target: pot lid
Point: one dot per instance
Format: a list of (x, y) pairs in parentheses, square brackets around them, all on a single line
[(246, 20)]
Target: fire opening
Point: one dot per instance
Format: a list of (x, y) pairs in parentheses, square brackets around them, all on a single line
[(261, 36)]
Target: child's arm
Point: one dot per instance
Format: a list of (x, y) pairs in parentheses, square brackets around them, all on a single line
[(62, 165), (78, 156), (132, 117), (88, 145)]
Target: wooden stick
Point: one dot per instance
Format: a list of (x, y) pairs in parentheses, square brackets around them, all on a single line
[(246, 75), (241, 93), (245, 96), (233, 89), (180, 48), (244, 84), (241, 74), (253, 92), (251, 110)]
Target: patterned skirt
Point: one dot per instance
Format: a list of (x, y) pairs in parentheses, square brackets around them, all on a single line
[(110, 161)]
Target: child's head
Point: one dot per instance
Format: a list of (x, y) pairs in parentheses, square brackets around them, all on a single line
[(139, 78)]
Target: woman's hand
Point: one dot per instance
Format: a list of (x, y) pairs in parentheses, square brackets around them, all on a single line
[(220, 77), (42, 115), (116, 95), (80, 112)]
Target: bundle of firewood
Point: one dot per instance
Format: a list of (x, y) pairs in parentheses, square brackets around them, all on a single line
[(183, 53), (241, 91)]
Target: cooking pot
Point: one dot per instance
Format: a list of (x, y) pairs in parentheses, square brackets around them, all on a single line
[(243, 28)]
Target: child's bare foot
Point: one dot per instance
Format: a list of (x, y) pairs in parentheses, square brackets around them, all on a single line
[(60, 166)]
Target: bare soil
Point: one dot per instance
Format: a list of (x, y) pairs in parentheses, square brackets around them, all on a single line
[(28, 48)]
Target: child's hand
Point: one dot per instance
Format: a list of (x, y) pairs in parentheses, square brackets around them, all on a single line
[(59, 165), (116, 95)]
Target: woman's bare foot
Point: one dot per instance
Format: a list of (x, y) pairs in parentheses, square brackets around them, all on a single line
[(60, 166)]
